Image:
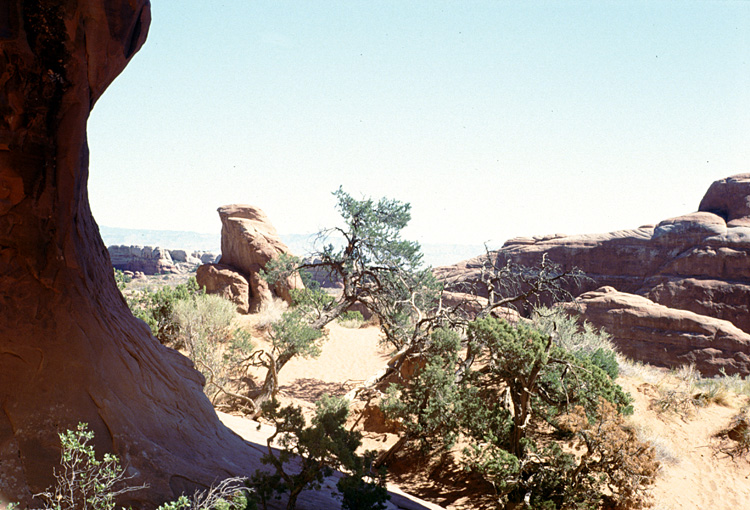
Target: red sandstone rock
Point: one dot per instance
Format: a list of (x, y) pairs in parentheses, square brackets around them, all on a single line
[(248, 242), (728, 198), (694, 262), (225, 282), (649, 332), (70, 350)]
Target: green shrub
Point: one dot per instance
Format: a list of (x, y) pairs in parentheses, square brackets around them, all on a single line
[(122, 279), (83, 481), (87, 483), (156, 308), (351, 319), (307, 454), (517, 409)]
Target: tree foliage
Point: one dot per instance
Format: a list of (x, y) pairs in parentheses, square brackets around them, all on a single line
[(309, 453), (513, 394), (156, 308), (84, 482)]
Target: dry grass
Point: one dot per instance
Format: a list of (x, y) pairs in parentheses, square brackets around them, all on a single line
[(734, 441), (270, 314)]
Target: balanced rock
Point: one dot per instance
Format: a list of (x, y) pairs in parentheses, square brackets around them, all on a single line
[(653, 333), (248, 242)]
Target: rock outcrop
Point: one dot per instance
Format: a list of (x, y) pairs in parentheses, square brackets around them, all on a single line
[(248, 242), (699, 262), (225, 282), (70, 350), (663, 336), (155, 260)]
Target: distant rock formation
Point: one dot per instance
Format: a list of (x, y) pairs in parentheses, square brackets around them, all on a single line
[(155, 260), (248, 242), (698, 262)]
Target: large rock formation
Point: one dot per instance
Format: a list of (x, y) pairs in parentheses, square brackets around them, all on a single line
[(70, 350), (697, 262), (248, 242), (665, 336)]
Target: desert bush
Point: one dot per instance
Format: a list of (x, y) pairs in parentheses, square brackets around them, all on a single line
[(735, 439), (352, 319), (229, 494), (270, 314), (581, 340), (684, 390), (308, 454), (121, 279), (156, 308), (202, 324), (510, 394), (83, 481)]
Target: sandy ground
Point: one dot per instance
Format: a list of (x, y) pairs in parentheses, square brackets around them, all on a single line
[(693, 474)]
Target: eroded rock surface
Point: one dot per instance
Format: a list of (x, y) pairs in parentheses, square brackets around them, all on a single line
[(224, 281), (70, 350), (653, 333), (248, 242), (699, 262), (695, 262), (156, 260)]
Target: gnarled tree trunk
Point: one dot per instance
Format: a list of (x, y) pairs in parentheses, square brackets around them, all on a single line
[(70, 350)]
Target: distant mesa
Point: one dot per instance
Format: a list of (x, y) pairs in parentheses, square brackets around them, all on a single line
[(698, 263)]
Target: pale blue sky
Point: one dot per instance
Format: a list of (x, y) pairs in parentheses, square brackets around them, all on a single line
[(494, 119)]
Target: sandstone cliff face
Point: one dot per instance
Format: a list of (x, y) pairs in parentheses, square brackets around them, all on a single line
[(70, 349), (248, 242), (698, 262)]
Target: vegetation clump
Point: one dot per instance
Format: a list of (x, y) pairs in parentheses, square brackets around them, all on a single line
[(309, 453), (525, 405)]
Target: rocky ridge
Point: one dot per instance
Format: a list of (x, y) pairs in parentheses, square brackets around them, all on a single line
[(698, 262), (154, 260)]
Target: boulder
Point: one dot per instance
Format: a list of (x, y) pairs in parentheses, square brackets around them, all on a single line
[(698, 262), (248, 242), (225, 282), (663, 336), (728, 198)]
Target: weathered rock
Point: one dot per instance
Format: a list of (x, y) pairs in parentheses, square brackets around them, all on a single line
[(248, 242), (145, 259), (225, 282), (728, 198), (207, 257), (70, 350), (653, 333), (695, 262)]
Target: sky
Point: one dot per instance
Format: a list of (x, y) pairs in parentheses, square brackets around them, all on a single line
[(492, 119)]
